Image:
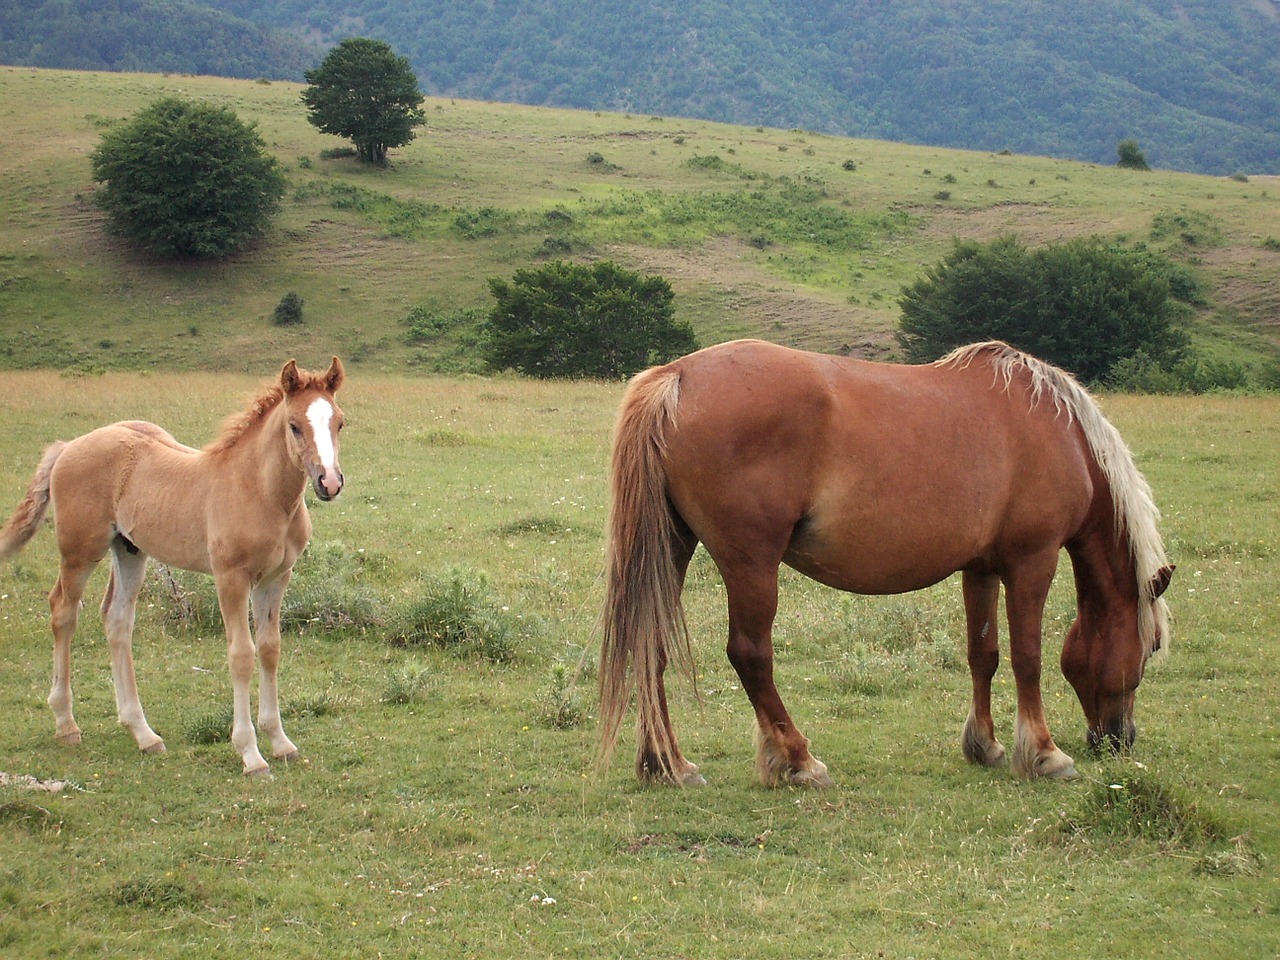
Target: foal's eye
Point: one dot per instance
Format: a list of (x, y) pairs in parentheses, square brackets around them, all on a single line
[(295, 430)]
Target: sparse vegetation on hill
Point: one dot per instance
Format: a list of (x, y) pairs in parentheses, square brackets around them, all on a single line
[(760, 232)]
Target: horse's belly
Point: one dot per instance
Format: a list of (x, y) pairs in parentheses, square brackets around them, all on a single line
[(899, 570)]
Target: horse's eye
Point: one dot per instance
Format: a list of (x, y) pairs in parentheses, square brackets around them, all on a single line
[(296, 430)]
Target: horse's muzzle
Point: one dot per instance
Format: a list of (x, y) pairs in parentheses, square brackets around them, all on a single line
[(1118, 736), (328, 485)]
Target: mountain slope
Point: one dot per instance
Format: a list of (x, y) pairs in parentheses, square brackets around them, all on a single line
[(1196, 82)]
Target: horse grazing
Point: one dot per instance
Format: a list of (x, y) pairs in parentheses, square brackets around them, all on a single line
[(234, 509), (876, 479)]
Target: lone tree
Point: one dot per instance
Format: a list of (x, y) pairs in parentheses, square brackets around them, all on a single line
[(1083, 304), (365, 92), (572, 320), (186, 179), (1130, 156)]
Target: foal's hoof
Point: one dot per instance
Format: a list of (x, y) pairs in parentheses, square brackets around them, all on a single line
[(70, 739), (155, 749), (259, 773), (287, 757)]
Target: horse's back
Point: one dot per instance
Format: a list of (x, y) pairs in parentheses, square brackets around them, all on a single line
[(870, 477)]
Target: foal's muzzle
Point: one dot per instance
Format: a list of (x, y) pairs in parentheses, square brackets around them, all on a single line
[(327, 485)]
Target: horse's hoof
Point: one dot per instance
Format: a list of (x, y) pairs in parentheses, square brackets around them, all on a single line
[(70, 739), (815, 777), (691, 778), (288, 757), (260, 773), (155, 749), (1057, 766)]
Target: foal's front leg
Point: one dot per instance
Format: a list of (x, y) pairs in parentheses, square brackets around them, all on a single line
[(267, 598), (233, 600)]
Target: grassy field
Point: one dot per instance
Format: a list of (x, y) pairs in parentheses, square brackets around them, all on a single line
[(447, 805), (797, 237)]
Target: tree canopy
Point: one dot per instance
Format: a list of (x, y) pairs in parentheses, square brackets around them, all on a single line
[(365, 92), (1084, 304), (187, 179), (573, 320)]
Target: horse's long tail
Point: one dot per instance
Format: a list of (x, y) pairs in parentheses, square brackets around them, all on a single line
[(642, 625), (24, 523)]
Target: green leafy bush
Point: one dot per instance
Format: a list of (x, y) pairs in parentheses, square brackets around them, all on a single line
[(573, 320), (1084, 304), (186, 179)]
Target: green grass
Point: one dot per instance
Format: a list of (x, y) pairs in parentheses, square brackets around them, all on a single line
[(448, 805), (761, 232)]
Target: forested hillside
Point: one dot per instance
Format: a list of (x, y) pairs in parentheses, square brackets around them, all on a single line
[(153, 36), (1197, 83)]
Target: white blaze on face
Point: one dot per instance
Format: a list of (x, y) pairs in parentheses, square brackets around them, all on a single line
[(320, 415)]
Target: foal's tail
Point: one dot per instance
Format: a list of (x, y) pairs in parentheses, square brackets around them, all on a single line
[(642, 625), (24, 523)]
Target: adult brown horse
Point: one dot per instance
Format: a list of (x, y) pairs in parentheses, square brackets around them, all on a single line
[(876, 479), (234, 509)]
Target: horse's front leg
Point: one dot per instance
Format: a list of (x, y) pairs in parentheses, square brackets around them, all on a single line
[(233, 600), (981, 599), (1034, 752), (782, 751), (267, 598)]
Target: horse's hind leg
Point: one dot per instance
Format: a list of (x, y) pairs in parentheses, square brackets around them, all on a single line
[(64, 610), (782, 752), (267, 598), (981, 599), (128, 568), (653, 761)]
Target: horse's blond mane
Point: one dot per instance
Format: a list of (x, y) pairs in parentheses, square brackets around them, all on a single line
[(1137, 516)]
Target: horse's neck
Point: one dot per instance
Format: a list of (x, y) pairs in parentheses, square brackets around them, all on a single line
[(1104, 569), (265, 450)]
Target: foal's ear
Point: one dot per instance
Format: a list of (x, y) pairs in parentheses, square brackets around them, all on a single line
[(335, 375), (1160, 582), (290, 380)]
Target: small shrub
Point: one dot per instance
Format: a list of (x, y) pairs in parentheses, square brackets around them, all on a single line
[(456, 611), (207, 727), (1271, 243), (559, 707), (288, 311), (942, 195), (1141, 807), (328, 590), (407, 684), (149, 893)]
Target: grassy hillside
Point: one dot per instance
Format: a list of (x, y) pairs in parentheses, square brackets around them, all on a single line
[(440, 811), (797, 237)]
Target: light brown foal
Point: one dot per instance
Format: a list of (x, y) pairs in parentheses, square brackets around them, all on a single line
[(235, 509)]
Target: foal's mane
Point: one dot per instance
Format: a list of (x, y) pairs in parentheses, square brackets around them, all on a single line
[(1135, 510), (259, 408)]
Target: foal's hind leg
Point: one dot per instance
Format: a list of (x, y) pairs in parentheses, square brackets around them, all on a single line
[(981, 599), (782, 752), (267, 598), (64, 610), (128, 568)]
